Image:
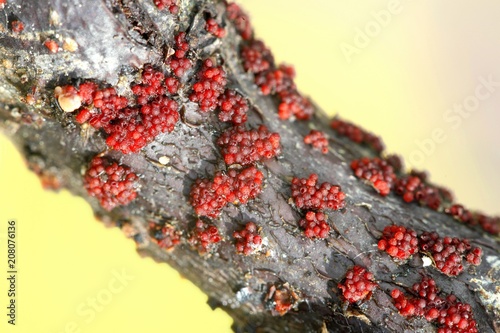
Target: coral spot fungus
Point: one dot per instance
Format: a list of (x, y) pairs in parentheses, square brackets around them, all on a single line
[(214, 28), (112, 184), (17, 26), (209, 197), (448, 253), (170, 4), (204, 237), (248, 239), (256, 57), (318, 140), (357, 134), (307, 194), (275, 81), (210, 85), (165, 235), (357, 285), (248, 146), (314, 225), (233, 107), (51, 45), (450, 315), (129, 128), (179, 62), (240, 20), (398, 242), (68, 98), (377, 171)]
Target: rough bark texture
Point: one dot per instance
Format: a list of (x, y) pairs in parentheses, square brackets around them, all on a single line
[(117, 37)]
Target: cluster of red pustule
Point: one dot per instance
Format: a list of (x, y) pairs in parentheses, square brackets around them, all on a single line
[(204, 236), (110, 183), (130, 128), (357, 134), (314, 225), (241, 146), (357, 285), (398, 242), (272, 79), (318, 140), (240, 20), (179, 62), (462, 214), (214, 28), (210, 85), (377, 171), (448, 253), (447, 313), (385, 176), (232, 107), (308, 195), (165, 235), (248, 239), (209, 197), (16, 26), (170, 4)]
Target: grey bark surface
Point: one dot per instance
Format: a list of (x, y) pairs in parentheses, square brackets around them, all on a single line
[(115, 39)]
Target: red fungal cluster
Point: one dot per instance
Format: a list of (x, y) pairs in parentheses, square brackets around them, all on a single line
[(398, 242), (318, 140), (248, 239), (240, 20), (170, 4), (233, 107), (448, 253), (357, 285), (256, 57), (164, 235), (242, 146), (204, 236), (51, 45), (413, 188), (377, 171), (209, 197), (308, 195), (130, 128), (315, 225), (276, 81), (178, 62), (17, 26), (460, 213), (209, 87), (357, 134), (488, 223), (214, 28), (113, 185), (450, 315), (294, 104)]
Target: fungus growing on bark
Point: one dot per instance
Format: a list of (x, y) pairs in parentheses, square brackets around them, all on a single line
[(233, 107), (112, 184), (314, 225), (307, 194), (244, 147), (357, 134), (398, 242), (357, 285), (448, 253), (210, 85), (377, 171), (318, 140), (204, 237), (248, 239)]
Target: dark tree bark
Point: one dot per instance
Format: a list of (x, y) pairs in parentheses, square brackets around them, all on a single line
[(116, 38)]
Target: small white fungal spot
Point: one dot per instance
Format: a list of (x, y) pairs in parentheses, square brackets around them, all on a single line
[(427, 261), (164, 160)]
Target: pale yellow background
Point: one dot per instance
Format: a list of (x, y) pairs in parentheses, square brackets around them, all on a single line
[(414, 69)]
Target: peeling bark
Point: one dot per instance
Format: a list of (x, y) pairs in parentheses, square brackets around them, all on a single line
[(116, 38)]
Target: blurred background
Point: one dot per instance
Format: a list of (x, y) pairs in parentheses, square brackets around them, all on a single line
[(424, 75)]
